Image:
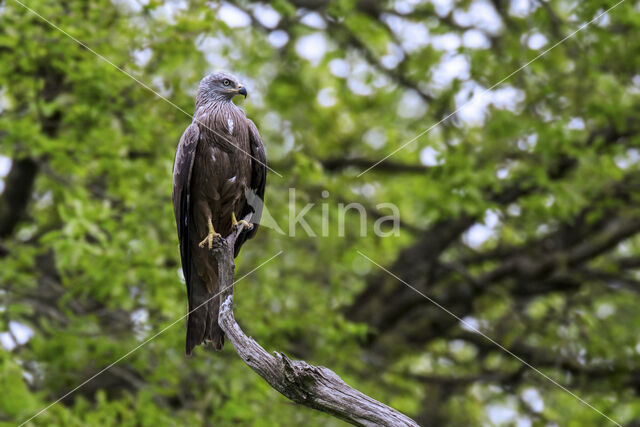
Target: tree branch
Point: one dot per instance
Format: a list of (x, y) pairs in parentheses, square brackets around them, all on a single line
[(17, 193), (314, 386)]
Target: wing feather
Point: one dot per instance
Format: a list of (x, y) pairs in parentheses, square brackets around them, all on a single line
[(182, 170), (255, 196)]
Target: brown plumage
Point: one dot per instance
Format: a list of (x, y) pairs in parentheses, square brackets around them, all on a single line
[(220, 160)]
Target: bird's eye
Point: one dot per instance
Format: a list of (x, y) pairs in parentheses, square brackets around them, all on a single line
[(226, 82)]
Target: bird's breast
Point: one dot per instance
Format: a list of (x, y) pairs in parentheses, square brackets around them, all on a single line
[(220, 166)]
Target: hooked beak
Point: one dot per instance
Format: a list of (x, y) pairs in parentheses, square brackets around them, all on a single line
[(242, 91)]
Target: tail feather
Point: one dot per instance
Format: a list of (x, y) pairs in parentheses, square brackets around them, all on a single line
[(202, 320)]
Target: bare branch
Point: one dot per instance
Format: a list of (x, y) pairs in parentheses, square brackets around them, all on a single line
[(314, 386)]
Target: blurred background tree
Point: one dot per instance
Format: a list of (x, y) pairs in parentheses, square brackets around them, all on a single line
[(520, 212)]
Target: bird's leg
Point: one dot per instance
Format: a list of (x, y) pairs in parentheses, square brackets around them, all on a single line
[(242, 222), (212, 234)]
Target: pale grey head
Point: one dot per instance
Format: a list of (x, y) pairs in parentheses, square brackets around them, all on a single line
[(219, 86)]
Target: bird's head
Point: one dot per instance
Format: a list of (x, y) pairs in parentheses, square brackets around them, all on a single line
[(220, 86)]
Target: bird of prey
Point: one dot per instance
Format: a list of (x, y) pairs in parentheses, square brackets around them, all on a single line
[(220, 164)]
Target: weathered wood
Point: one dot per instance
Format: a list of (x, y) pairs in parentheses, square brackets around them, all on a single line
[(314, 386)]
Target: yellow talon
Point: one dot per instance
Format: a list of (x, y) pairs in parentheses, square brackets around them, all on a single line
[(209, 239), (242, 222)]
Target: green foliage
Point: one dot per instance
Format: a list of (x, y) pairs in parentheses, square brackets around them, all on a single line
[(92, 268)]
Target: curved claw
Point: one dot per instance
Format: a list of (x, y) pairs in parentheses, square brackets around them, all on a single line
[(245, 224), (241, 223), (209, 239)]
